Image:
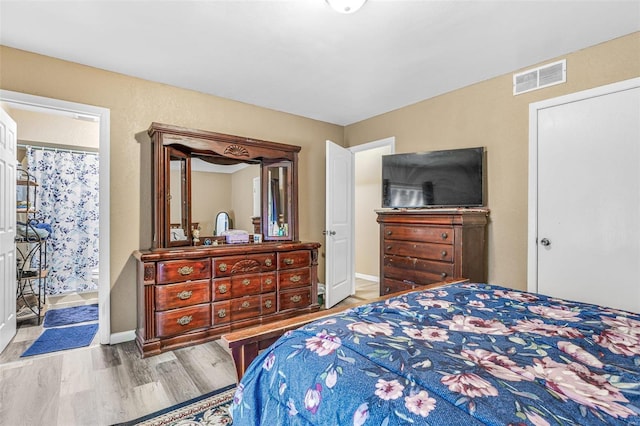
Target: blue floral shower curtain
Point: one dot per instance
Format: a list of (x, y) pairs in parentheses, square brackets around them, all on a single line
[(67, 199)]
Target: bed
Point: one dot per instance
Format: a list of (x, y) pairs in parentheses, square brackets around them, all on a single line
[(460, 354)]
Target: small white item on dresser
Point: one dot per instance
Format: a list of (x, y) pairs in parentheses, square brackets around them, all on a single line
[(236, 236)]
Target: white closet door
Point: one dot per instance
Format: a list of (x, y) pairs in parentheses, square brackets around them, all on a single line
[(588, 200)]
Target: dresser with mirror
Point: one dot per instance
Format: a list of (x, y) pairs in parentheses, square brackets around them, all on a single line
[(193, 283)]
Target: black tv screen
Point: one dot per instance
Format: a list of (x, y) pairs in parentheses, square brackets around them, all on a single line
[(446, 178)]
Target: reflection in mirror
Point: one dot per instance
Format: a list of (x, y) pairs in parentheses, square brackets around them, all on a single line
[(219, 188), (278, 201), (177, 196), (222, 223)]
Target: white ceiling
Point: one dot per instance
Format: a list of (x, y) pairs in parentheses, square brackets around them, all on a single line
[(301, 57)]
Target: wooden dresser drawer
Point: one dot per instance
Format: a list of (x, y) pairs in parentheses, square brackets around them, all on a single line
[(390, 286), (431, 234), (294, 259), (269, 303), (171, 296), (295, 298), (442, 252), (221, 289), (269, 282), (393, 286), (417, 270), (221, 312), (245, 285), (245, 307), (249, 264), (294, 278), (173, 271), (177, 321)]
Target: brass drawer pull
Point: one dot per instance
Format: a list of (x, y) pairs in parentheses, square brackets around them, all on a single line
[(296, 298), (388, 247), (185, 320), (185, 270), (295, 278), (184, 295), (222, 313), (268, 262), (268, 304), (222, 288), (246, 304), (444, 235), (388, 232), (444, 253), (246, 281), (443, 275), (222, 267), (288, 261), (268, 281)]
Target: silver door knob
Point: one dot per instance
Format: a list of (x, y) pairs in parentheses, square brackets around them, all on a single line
[(328, 232), (545, 242)]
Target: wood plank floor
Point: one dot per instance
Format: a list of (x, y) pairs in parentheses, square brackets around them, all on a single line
[(102, 385), (107, 384)]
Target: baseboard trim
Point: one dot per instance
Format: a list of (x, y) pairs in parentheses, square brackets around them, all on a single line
[(124, 336), (368, 277)]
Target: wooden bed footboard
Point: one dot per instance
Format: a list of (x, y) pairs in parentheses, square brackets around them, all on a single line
[(245, 344)]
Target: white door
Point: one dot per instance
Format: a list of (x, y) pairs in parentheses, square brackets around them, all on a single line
[(339, 230), (588, 199), (7, 229)]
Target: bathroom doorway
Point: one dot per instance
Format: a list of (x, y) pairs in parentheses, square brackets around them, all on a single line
[(94, 287)]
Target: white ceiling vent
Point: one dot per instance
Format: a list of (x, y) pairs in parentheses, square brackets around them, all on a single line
[(537, 78)]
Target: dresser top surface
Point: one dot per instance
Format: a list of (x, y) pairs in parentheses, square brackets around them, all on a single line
[(222, 250)]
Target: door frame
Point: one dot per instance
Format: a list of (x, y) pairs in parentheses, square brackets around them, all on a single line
[(534, 108), (25, 101)]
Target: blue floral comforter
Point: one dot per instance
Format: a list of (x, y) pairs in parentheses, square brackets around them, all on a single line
[(464, 354)]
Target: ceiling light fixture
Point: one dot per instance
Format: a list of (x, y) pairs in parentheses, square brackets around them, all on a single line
[(346, 6)]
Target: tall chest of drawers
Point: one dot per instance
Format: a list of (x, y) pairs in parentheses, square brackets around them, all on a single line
[(193, 295), (422, 247)]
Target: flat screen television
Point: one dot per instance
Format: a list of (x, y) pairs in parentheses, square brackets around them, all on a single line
[(445, 178)]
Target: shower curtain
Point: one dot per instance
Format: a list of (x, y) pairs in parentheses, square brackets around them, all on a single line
[(67, 199)]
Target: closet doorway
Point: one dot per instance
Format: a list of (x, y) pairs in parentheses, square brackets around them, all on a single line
[(584, 196), (24, 105)]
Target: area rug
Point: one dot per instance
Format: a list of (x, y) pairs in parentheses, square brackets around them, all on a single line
[(209, 409), (59, 339), (73, 315)]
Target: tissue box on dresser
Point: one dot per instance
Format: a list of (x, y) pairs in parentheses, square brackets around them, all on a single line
[(236, 236)]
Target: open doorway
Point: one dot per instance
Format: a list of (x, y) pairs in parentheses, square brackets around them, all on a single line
[(368, 198), (36, 114), (60, 154)]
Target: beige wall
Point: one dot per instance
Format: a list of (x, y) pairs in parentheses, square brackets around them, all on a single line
[(134, 104), (210, 194), (488, 114), (39, 128)]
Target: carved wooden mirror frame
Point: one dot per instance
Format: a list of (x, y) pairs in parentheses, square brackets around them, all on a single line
[(221, 149)]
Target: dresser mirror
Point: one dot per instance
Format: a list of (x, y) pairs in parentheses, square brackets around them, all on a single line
[(177, 196), (180, 195), (278, 207), (222, 223)]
